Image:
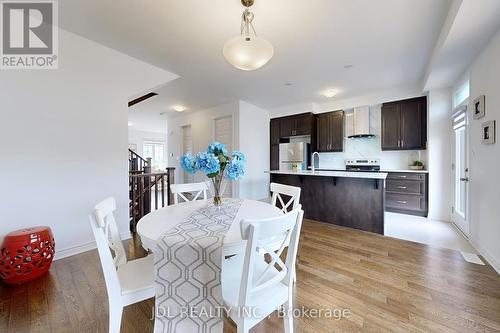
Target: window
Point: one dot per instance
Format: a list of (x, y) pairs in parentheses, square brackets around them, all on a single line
[(155, 151), (461, 94)]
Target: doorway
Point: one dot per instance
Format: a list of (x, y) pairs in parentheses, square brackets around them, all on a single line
[(460, 169), (223, 132)]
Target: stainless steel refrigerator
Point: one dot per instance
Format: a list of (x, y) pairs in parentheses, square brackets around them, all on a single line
[(294, 153)]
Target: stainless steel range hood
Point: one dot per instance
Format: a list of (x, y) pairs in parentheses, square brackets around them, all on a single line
[(358, 123)]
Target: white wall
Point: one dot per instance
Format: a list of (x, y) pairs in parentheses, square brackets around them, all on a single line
[(439, 154), (484, 195), (63, 138), (373, 98), (202, 132), (250, 136), (138, 138), (254, 143)]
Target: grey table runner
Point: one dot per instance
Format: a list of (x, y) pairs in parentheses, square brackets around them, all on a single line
[(188, 262)]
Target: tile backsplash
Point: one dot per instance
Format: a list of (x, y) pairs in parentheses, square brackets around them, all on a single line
[(370, 148)]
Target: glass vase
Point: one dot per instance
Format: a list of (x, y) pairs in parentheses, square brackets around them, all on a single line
[(217, 187)]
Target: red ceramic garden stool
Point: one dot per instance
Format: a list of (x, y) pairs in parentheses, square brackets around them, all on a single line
[(26, 254)]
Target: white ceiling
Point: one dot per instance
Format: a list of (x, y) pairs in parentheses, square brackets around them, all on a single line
[(388, 42)]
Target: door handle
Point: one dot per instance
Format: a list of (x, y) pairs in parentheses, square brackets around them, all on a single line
[(466, 179)]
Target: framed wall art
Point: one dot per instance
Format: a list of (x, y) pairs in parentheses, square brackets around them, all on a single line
[(478, 107), (489, 135)]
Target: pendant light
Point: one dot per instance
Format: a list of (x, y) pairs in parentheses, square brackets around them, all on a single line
[(247, 51)]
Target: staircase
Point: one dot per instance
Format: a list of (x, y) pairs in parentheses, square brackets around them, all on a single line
[(147, 190)]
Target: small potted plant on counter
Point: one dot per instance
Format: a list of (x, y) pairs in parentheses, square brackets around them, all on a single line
[(417, 165)]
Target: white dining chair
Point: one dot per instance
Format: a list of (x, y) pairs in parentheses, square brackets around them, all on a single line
[(127, 282), (278, 190), (293, 192), (251, 287), (197, 189)]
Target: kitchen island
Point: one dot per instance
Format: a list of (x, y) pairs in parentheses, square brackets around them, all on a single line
[(344, 198)]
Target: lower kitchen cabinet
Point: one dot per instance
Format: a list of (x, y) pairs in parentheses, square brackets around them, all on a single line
[(344, 201), (407, 193)]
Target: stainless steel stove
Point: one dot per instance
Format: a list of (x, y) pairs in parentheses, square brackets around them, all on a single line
[(368, 165)]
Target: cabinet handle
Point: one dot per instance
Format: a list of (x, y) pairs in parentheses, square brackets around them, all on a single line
[(402, 176), (402, 187), (402, 143), (402, 202)]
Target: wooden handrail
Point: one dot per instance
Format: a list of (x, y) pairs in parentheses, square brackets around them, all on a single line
[(135, 155), (141, 185), (150, 174), (137, 163)]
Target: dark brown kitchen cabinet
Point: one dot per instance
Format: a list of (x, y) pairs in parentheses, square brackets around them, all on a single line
[(304, 124), (281, 129), (296, 125), (275, 131), (330, 131), (275, 157), (404, 124)]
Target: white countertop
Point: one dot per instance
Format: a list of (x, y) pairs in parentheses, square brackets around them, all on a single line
[(407, 170), (344, 174)]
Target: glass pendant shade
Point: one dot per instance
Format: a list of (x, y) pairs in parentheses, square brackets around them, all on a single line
[(248, 53)]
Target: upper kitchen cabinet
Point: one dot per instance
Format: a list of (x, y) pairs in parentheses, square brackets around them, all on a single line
[(281, 129), (297, 125), (404, 124), (330, 131), (275, 131)]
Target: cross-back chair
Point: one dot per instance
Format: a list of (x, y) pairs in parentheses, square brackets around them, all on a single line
[(253, 288), (127, 282), (196, 189)]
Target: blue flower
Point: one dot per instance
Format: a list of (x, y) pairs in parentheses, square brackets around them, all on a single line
[(239, 156), (188, 163), (217, 148), (235, 169), (207, 162)]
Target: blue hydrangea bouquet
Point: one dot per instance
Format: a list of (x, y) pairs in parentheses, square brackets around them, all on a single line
[(218, 165)]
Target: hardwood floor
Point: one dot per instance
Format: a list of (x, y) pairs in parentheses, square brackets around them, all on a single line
[(387, 285)]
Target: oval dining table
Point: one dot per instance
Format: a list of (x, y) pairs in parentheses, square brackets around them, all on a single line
[(155, 224)]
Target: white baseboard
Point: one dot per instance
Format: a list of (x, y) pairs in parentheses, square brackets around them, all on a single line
[(74, 250), (487, 256)]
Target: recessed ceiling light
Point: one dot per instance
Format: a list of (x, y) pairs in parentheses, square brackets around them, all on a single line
[(179, 108), (348, 66), (129, 124), (329, 93)]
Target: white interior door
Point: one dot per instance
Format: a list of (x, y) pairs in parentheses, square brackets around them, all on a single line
[(187, 148), (460, 170), (223, 132)]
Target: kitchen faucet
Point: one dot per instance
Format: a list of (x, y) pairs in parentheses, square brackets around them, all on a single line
[(312, 161)]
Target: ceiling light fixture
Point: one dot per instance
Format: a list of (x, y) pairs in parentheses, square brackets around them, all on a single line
[(329, 93), (179, 108), (247, 51), (129, 124)]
